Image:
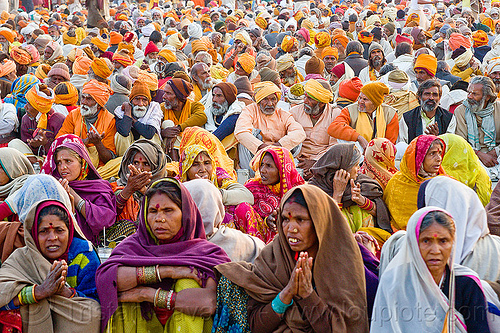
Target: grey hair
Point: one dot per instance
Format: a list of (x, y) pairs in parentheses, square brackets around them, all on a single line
[(354, 46), (442, 66), (196, 68), (205, 58), (489, 89), (306, 51)]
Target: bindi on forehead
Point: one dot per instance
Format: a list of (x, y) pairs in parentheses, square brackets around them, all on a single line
[(157, 206), (435, 235)]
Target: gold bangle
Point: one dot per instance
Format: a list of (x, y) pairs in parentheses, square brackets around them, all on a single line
[(158, 276), (162, 299), (155, 300)]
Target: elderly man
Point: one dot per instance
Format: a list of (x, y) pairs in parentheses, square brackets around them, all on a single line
[(9, 123), (99, 44), (290, 45), (58, 73), (274, 125), (429, 117), (179, 112), (242, 44), (53, 53), (224, 110), (140, 118), (478, 122), (315, 115), (285, 66), (368, 118), (493, 72), (376, 60), (93, 123), (202, 81)]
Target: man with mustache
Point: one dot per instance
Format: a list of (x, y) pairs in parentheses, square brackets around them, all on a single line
[(140, 118), (315, 115), (272, 125), (478, 122), (93, 123), (285, 66), (202, 82), (376, 60), (429, 117)]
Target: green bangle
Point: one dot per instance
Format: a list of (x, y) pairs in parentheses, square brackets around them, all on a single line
[(278, 306)]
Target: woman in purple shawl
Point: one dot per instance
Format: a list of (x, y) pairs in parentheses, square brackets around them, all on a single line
[(94, 200), (161, 278)]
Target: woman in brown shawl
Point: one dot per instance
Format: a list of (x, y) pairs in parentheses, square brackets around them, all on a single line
[(301, 273)]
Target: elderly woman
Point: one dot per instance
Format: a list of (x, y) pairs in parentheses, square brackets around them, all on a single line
[(423, 279), (49, 285), (140, 286), (94, 201), (359, 197), (378, 163), (421, 160), (299, 270)]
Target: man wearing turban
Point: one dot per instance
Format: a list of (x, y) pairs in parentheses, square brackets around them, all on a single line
[(244, 67), (315, 114), (93, 123), (290, 45), (276, 126), (179, 112), (330, 55), (321, 40), (6, 38), (242, 44), (425, 68), (101, 69), (40, 123), (7, 76), (22, 59), (481, 46), (99, 44), (121, 60), (285, 66), (368, 118)]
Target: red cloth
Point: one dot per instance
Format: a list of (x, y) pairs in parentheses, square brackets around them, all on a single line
[(150, 48)]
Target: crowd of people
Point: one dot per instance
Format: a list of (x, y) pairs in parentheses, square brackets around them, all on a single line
[(265, 166)]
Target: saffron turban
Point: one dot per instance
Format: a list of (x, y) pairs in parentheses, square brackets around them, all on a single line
[(456, 40), (126, 46), (168, 55), (365, 37), (198, 45), (375, 91), (316, 91), (71, 98), (350, 89), (101, 43), (284, 62), (426, 62), (100, 68), (480, 38), (81, 65), (40, 102), (493, 65), (247, 62), (322, 39), (149, 79), (287, 43), (181, 88), (69, 40), (20, 55), (35, 55), (264, 89), (177, 41), (330, 51), (244, 37), (123, 58), (6, 67), (115, 38), (42, 71), (76, 52), (99, 91), (8, 34), (261, 22), (140, 89)]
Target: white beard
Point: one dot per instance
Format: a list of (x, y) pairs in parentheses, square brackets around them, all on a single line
[(88, 112), (219, 109), (139, 111), (207, 85)]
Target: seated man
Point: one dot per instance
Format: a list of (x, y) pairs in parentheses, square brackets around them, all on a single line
[(179, 112), (100, 70), (429, 117), (478, 122), (425, 69), (368, 118), (285, 66), (93, 123), (274, 125), (137, 119), (202, 82), (315, 115)]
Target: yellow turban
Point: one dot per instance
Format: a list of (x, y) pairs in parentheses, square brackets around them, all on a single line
[(426, 62), (148, 79), (264, 89), (40, 102), (375, 91), (101, 43), (247, 62), (8, 34), (71, 98), (198, 45), (287, 43), (219, 72), (168, 55), (341, 38), (298, 15), (316, 91), (100, 68), (81, 65), (322, 39), (99, 91), (480, 38), (42, 70), (330, 51), (261, 22), (123, 58), (177, 41), (244, 37), (489, 22), (126, 46), (306, 24), (69, 40)]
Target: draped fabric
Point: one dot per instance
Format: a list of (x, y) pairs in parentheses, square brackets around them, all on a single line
[(20, 86), (17, 167), (379, 161)]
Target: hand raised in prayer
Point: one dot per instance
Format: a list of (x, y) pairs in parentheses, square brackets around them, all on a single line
[(339, 184), (138, 294), (138, 180), (305, 275), (271, 220), (367, 241), (356, 193), (39, 140), (292, 288), (54, 282), (432, 129), (93, 138)]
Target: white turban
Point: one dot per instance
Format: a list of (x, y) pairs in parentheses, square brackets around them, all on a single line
[(195, 30)]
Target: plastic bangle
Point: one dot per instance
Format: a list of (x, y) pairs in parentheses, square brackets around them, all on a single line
[(80, 204), (278, 306), (33, 293), (340, 204), (158, 276), (169, 299)]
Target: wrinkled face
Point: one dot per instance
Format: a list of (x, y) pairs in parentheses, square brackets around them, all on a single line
[(140, 101), (433, 158), (218, 96), (268, 104), (164, 217), (497, 29), (56, 79), (365, 104), (312, 107), (153, 56), (475, 93), (338, 45), (156, 17), (47, 53), (141, 162), (68, 166), (435, 244), (3, 39), (330, 62), (422, 75), (495, 76), (203, 76), (54, 33), (169, 98), (268, 171), (141, 23), (299, 229), (4, 179), (53, 237), (353, 173), (291, 28), (387, 32), (201, 167)]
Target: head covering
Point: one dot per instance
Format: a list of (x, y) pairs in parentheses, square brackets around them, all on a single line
[(267, 74), (426, 62), (264, 89), (8, 34), (115, 38), (284, 62), (32, 50), (123, 57), (150, 48), (40, 102), (365, 37), (350, 89), (379, 161), (168, 55), (493, 65), (17, 167), (305, 34), (143, 249), (61, 70), (317, 92), (322, 39), (375, 91), (57, 51), (288, 42), (6, 67), (181, 88), (247, 62), (314, 66), (71, 98), (195, 30), (20, 55), (456, 40), (150, 80), (341, 38), (101, 43), (19, 88), (244, 37), (480, 38), (99, 91), (140, 89), (228, 90), (243, 86), (272, 270), (330, 51), (101, 68)]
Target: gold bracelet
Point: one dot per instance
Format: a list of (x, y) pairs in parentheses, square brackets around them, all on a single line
[(150, 275), (155, 300), (141, 278), (162, 299)]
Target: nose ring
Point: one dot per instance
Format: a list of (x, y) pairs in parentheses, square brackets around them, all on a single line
[(295, 230), (163, 220)]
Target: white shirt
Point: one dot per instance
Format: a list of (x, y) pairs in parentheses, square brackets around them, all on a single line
[(403, 128)]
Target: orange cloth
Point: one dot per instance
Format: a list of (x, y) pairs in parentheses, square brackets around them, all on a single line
[(330, 51), (40, 102), (123, 58), (102, 44), (168, 55), (198, 45), (81, 65), (247, 62), (264, 89), (456, 40), (480, 38), (71, 98), (288, 42), (350, 89), (261, 22), (489, 22), (322, 39), (341, 38), (149, 79), (20, 55), (365, 37), (42, 70), (126, 46), (375, 91), (100, 68), (8, 34), (427, 62), (7, 67), (115, 38), (99, 91)]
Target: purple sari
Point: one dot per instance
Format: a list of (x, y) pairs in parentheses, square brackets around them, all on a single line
[(100, 201), (191, 249)]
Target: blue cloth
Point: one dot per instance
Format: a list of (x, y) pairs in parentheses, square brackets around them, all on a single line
[(82, 266), (227, 127)]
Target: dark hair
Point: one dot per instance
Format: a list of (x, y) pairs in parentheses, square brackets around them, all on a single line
[(402, 48), (387, 68), (354, 46), (56, 211), (440, 218), (155, 37), (297, 197), (171, 190), (61, 89), (429, 84)]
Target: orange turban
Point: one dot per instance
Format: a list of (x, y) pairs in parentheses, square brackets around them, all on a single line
[(480, 38), (115, 38), (42, 71), (330, 51), (365, 37), (322, 39), (456, 40), (168, 55), (375, 91), (81, 65), (247, 62), (99, 91), (413, 20), (489, 23), (426, 62), (264, 89), (102, 44), (261, 22), (122, 17), (148, 79), (350, 89), (7, 67), (8, 34), (126, 46), (40, 102), (20, 55), (341, 38), (198, 45), (123, 58), (100, 68), (287, 43), (71, 98)]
